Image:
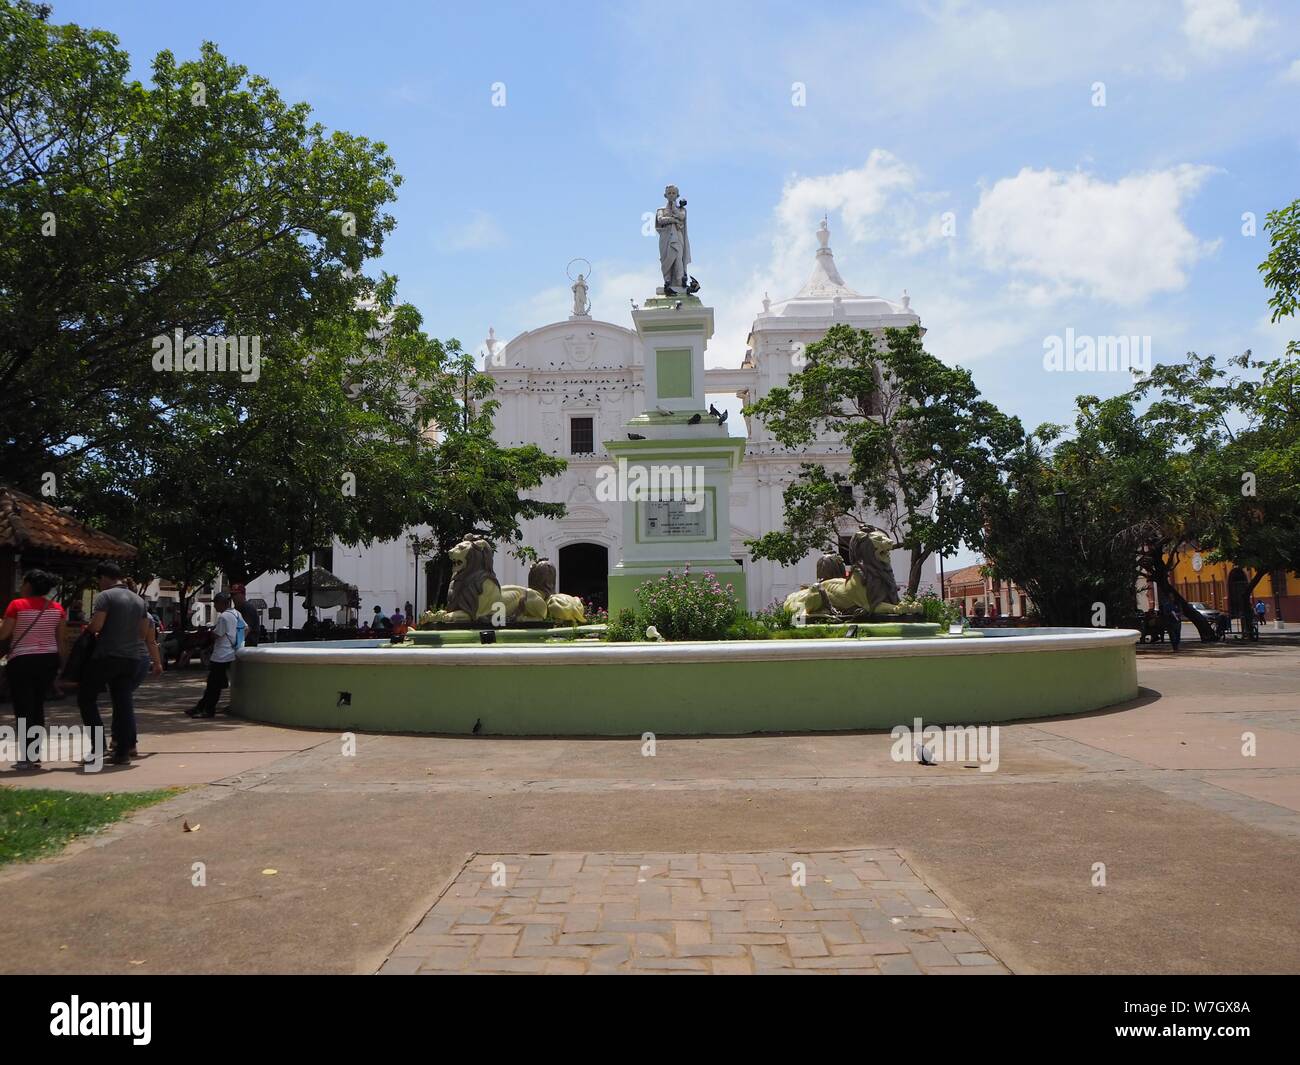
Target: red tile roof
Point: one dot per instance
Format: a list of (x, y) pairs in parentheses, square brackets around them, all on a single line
[(28, 524), (965, 575)]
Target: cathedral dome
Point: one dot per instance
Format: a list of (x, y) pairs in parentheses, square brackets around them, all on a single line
[(825, 295)]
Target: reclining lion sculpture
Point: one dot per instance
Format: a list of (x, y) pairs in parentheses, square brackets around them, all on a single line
[(870, 587), (476, 596)]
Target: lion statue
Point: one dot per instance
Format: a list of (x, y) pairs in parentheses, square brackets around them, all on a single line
[(870, 587), (830, 567), (557, 606), (476, 596), (541, 578)]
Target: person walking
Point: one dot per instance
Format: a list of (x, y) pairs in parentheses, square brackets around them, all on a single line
[(124, 634), (227, 637), (39, 647)]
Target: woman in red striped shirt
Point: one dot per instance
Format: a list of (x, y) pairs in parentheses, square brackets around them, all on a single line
[(39, 646)]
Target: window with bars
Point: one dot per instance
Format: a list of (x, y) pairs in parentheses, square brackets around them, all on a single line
[(582, 436)]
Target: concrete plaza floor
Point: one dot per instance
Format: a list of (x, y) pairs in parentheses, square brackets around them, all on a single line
[(317, 860)]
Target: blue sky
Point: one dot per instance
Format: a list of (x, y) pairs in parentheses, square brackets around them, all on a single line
[(1122, 219)]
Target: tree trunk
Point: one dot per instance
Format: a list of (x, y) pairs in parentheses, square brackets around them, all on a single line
[(1203, 627), (914, 571)]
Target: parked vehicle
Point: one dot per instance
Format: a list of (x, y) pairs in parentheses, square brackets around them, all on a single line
[(1217, 618)]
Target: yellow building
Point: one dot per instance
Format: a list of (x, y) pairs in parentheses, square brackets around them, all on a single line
[(1199, 580)]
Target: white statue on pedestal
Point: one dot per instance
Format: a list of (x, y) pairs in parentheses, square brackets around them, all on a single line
[(674, 245), (581, 304)]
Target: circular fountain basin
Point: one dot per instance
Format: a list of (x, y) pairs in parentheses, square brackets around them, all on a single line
[(720, 687)]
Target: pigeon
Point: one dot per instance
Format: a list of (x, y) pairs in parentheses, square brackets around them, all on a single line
[(635, 436), (665, 413), (478, 727), (695, 420), (924, 755), (722, 418), (714, 411), (851, 632)]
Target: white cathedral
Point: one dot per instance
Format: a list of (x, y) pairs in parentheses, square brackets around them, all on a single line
[(570, 385)]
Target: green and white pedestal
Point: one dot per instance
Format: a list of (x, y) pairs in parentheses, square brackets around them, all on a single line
[(677, 506)]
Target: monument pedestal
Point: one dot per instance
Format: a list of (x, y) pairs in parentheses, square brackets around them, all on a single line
[(675, 482)]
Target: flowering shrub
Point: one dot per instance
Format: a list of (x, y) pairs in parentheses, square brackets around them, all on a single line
[(931, 608), (685, 609), (776, 617)]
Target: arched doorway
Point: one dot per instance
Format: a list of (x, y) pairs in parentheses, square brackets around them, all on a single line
[(584, 572)]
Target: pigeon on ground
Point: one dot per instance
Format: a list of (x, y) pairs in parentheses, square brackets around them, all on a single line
[(665, 413), (635, 436), (478, 727), (695, 420), (924, 755)]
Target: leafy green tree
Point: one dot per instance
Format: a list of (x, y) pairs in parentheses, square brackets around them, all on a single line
[(1041, 532), (923, 447), (1281, 269), (1242, 433), (325, 444), (472, 486), (202, 202)]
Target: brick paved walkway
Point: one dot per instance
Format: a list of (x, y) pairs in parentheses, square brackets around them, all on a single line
[(854, 911)]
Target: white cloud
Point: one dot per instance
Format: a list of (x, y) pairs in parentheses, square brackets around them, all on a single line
[(479, 232), (1214, 26), (1071, 233), (1292, 73), (860, 195)]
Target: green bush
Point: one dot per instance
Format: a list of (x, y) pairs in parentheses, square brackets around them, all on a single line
[(623, 629), (747, 627), (776, 617), (931, 608), (682, 608)]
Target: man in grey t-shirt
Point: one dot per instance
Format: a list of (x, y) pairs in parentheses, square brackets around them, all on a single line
[(126, 634)]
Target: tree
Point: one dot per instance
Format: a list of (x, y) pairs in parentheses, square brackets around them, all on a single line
[(1132, 495), (325, 446), (1243, 434), (474, 487), (1281, 269), (923, 447), (1042, 531), (202, 203)]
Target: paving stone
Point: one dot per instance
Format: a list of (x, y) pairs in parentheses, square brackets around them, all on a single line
[(863, 911)]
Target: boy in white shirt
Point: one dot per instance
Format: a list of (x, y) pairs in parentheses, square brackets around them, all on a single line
[(227, 638)]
